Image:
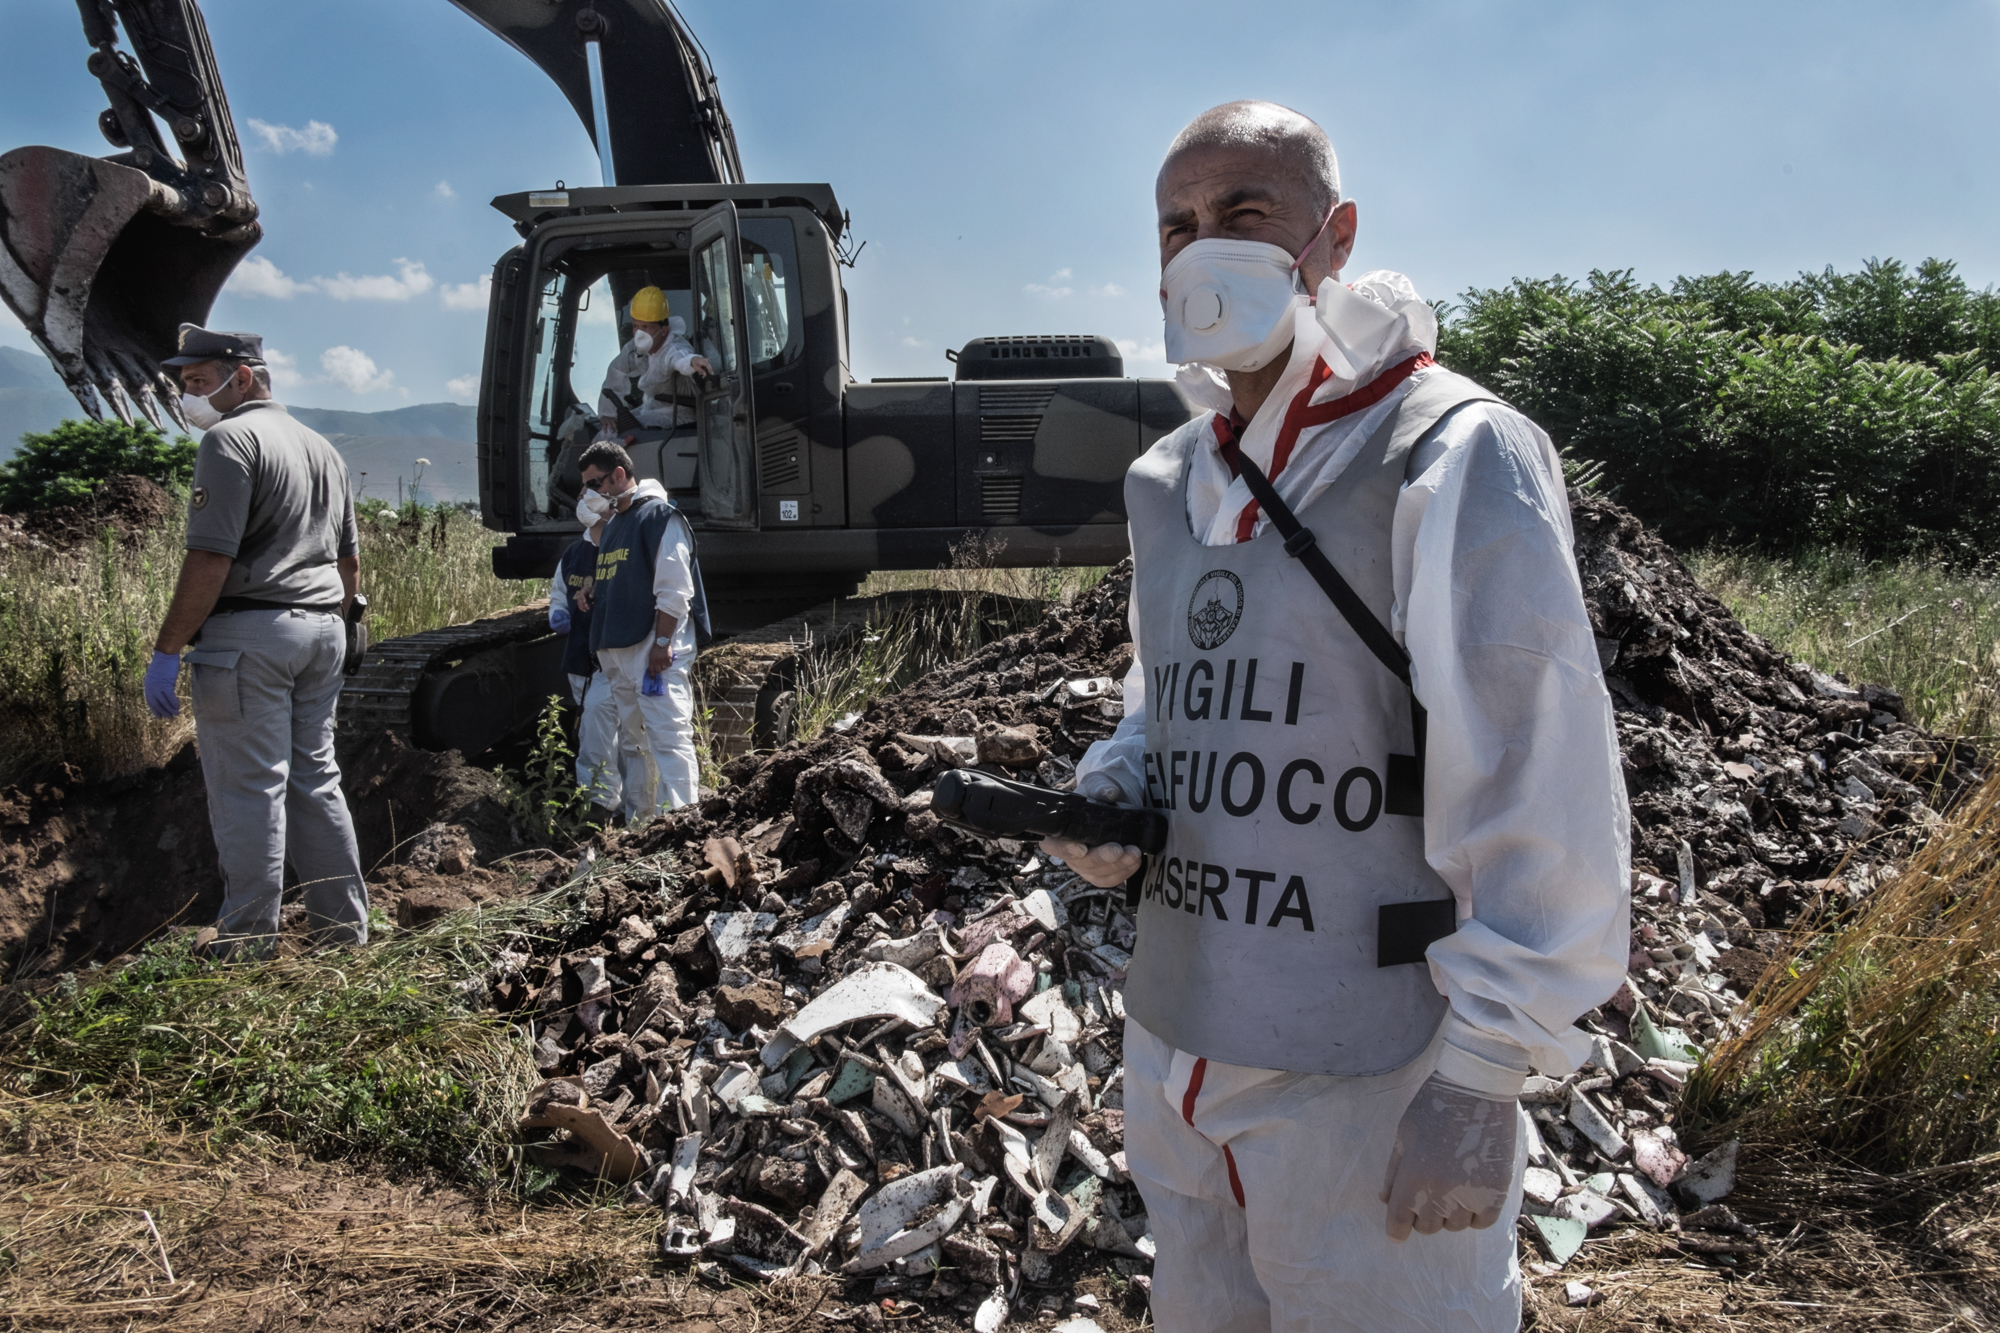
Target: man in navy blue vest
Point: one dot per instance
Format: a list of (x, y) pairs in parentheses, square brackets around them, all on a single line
[(647, 611), (612, 770)]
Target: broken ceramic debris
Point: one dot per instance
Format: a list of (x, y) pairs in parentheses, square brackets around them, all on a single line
[(908, 1214), (988, 989), (875, 990), (706, 1009)]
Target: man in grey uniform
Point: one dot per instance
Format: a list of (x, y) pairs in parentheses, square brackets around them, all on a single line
[(272, 562)]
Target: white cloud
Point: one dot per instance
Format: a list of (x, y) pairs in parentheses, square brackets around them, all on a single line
[(258, 276), (1146, 359), (443, 190), (466, 295), (410, 280), (464, 387), (355, 370), (315, 140), (915, 342), (284, 369), (1055, 289), (1108, 289)]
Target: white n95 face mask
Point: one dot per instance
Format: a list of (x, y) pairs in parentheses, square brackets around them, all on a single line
[(591, 508), (1228, 304), (644, 342), (198, 412)]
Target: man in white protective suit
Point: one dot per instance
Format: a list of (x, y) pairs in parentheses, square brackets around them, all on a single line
[(641, 377), (1366, 693), (613, 771)]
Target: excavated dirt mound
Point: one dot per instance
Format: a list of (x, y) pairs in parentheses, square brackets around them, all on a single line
[(130, 506), (92, 872)]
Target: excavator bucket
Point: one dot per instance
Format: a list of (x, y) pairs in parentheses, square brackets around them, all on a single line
[(102, 279)]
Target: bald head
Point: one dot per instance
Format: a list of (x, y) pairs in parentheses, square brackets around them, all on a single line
[(1295, 143), (1261, 172)]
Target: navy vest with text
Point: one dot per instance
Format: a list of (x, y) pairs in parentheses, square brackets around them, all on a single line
[(622, 612), (578, 567)]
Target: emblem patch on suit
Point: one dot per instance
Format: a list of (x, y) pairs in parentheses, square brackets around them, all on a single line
[(1215, 609), (199, 498)]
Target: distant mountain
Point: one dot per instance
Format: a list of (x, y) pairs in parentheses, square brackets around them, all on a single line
[(447, 421), (381, 448), (27, 370)]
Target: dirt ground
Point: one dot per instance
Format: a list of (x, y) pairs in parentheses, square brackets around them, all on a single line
[(89, 873), (260, 1239)]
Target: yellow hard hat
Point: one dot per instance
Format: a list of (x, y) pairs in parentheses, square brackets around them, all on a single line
[(649, 305)]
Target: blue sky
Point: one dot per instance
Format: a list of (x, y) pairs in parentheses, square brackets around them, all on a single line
[(998, 159)]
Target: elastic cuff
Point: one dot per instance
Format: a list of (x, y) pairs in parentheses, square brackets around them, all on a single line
[(1497, 1070)]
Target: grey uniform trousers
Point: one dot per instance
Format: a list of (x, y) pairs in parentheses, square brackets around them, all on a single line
[(265, 686)]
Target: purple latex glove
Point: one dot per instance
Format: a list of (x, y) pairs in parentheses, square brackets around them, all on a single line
[(652, 684), (161, 677), (559, 619)]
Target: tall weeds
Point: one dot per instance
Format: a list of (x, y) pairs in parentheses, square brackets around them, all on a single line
[(1881, 1041), (377, 1052), (1931, 634), (77, 627), (976, 602)]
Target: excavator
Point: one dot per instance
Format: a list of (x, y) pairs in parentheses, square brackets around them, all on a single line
[(798, 478)]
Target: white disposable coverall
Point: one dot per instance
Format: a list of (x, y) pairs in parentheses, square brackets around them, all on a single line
[(650, 373), (616, 773), (664, 721), (1525, 819)]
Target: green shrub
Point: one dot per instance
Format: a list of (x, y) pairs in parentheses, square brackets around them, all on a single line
[(1835, 410), (68, 463)]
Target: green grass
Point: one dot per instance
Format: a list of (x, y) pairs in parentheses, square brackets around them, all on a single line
[(77, 629), (1912, 625), (377, 1052)]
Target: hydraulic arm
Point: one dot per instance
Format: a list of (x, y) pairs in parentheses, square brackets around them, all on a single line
[(104, 258)]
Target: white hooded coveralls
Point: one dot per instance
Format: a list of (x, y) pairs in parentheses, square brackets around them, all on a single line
[(612, 769), (1261, 1183), (651, 373), (662, 723)]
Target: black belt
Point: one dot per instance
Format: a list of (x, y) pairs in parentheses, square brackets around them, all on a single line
[(259, 604)]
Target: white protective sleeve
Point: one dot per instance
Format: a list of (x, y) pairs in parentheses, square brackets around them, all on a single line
[(1524, 797), (673, 574), (558, 594), (619, 377)]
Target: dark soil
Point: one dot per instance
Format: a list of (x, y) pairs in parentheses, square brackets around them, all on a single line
[(126, 505), (91, 872)]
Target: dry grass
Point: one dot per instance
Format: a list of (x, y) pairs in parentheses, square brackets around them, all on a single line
[(975, 568), (267, 1240), (1880, 1042)]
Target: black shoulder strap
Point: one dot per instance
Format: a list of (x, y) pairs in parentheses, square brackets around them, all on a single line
[(1302, 546), (1403, 779)]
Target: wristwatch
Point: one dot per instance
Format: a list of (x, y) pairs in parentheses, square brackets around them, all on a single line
[(659, 642)]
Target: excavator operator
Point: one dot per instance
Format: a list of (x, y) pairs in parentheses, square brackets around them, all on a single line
[(639, 381)]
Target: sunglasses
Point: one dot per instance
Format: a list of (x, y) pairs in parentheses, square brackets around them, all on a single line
[(595, 483)]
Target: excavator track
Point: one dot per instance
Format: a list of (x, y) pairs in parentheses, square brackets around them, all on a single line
[(462, 687)]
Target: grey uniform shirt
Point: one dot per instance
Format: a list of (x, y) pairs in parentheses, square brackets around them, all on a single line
[(271, 493)]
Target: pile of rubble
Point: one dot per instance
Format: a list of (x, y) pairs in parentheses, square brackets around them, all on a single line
[(827, 1033)]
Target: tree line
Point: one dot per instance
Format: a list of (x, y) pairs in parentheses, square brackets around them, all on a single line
[(1857, 410)]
